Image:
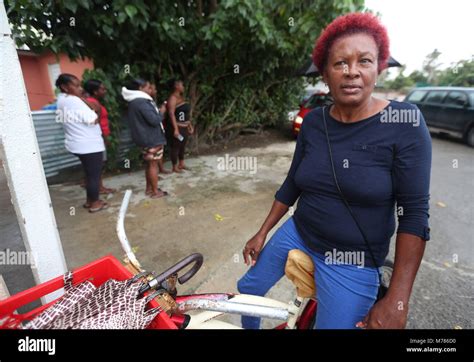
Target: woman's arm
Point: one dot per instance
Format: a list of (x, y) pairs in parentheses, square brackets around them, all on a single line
[(149, 113), (83, 110), (392, 310), (285, 197), (94, 106), (171, 105), (276, 213), (255, 244), (190, 128), (409, 251)]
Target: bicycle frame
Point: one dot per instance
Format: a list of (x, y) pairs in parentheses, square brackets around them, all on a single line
[(297, 314), (212, 306)]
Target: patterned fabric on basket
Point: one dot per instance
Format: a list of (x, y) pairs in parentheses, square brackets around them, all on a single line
[(113, 305)]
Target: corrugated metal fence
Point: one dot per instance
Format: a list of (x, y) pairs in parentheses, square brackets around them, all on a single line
[(50, 135)]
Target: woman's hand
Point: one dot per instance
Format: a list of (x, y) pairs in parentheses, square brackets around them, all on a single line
[(190, 129), (387, 313), (252, 248), (392, 310), (163, 108), (176, 133)]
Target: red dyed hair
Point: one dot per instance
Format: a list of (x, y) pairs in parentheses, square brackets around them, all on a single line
[(353, 23)]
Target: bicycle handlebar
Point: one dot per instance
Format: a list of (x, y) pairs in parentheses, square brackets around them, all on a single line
[(195, 258)]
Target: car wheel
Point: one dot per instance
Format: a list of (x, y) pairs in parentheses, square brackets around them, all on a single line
[(470, 137)]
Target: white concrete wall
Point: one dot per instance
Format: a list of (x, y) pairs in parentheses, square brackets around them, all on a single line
[(23, 166)]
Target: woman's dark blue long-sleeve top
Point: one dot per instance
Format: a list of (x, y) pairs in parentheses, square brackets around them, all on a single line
[(383, 167)]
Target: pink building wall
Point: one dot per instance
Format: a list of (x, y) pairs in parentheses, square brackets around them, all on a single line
[(37, 76)]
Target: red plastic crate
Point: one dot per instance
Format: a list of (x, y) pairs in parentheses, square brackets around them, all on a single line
[(97, 272)]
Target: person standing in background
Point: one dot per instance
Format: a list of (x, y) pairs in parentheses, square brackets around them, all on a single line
[(179, 124), (146, 128), (83, 137), (161, 166), (96, 92)]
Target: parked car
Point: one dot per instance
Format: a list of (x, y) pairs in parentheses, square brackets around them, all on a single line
[(318, 99), (447, 110), (308, 92)]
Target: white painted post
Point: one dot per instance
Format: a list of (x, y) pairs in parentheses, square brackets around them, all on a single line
[(23, 166)]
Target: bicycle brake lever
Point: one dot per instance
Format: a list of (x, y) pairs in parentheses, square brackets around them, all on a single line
[(195, 258)]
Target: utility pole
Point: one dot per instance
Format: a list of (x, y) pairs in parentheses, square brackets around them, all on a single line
[(23, 168)]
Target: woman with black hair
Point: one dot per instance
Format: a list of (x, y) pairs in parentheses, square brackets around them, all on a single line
[(96, 92), (83, 136), (179, 122), (145, 121)]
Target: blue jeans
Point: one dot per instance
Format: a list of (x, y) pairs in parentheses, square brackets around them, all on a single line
[(344, 292)]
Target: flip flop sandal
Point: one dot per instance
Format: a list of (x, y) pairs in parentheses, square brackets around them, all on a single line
[(107, 191), (102, 207), (164, 193)]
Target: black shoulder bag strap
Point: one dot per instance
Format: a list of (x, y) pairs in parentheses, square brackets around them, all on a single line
[(382, 287)]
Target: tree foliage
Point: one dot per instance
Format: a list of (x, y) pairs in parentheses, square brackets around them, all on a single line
[(237, 57), (460, 74)]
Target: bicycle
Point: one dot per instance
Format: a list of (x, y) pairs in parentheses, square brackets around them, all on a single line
[(298, 314)]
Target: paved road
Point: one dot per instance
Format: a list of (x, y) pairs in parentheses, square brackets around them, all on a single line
[(443, 296), (13, 278)]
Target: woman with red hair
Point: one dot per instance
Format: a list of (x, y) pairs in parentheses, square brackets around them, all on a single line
[(354, 162)]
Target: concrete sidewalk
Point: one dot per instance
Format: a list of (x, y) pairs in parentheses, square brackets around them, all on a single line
[(223, 209), (209, 210)]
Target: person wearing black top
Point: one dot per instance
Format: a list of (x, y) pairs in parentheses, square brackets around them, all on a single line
[(179, 124)]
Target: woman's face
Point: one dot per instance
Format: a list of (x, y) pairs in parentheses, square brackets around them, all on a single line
[(180, 87), (73, 87), (101, 92), (147, 88), (352, 69), (153, 91)]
